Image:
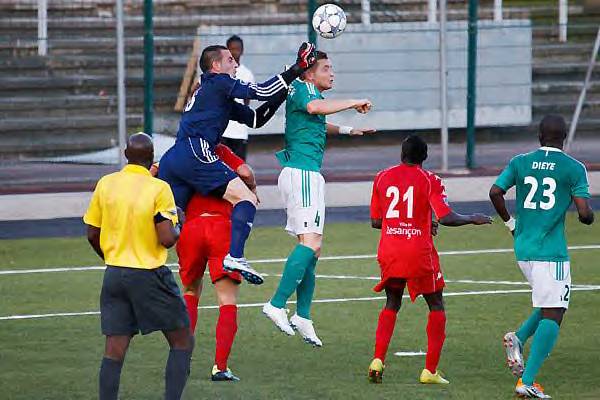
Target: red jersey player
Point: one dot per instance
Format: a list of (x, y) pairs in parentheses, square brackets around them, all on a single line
[(404, 198), (204, 240)]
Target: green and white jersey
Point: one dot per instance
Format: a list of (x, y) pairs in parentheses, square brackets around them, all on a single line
[(545, 180), (304, 133)]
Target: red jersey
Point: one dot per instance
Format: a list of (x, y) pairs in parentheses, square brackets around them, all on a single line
[(199, 204), (404, 198)]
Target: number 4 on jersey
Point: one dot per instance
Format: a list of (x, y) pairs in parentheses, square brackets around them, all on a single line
[(394, 193)]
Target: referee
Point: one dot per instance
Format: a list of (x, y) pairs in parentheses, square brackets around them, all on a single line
[(132, 221)]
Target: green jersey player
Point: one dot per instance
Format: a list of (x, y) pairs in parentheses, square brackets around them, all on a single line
[(302, 188), (547, 181)]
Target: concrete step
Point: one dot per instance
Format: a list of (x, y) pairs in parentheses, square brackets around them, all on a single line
[(560, 53), (34, 66), (83, 84), (563, 72), (24, 135), (585, 126), (48, 124), (88, 105), (590, 109), (100, 46)]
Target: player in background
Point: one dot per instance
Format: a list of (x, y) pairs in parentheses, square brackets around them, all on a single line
[(403, 202), (236, 134), (302, 188), (191, 164), (204, 241), (547, 180)]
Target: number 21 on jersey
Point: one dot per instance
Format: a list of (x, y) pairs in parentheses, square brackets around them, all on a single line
[(394, 193)]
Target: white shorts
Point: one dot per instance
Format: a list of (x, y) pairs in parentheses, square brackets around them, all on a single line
[(550, 282), (303, 195)]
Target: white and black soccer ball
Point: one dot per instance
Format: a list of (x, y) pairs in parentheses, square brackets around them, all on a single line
[(329, 21)]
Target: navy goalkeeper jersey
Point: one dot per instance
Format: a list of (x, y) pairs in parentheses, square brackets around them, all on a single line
[(213, 105)]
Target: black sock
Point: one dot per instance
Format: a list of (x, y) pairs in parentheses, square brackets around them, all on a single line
[(110, 377), (176, 373)]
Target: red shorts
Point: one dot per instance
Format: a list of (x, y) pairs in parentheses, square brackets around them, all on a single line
[(204, 240), (429, 283)]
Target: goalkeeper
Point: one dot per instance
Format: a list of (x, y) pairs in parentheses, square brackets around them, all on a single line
[(191, 165)]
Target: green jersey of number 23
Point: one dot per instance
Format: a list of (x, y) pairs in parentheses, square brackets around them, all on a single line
[(546, 180), (304, 133)]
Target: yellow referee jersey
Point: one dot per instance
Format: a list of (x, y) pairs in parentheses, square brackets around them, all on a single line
[(123, 206)]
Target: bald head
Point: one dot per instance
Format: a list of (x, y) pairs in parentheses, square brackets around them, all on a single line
[(553, 131), (140, 150)]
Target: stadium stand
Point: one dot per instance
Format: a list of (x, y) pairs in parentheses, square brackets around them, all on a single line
[(66, 101)]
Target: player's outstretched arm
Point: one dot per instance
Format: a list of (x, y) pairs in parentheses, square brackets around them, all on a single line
[(586, 214), (260, 116), (348, 130), (332, 106), (268, 89), (454, 219)]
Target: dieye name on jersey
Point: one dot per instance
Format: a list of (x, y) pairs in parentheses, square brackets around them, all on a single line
[(543, 165)]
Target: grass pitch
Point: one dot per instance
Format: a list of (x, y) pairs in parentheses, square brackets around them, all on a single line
[(57, 357)]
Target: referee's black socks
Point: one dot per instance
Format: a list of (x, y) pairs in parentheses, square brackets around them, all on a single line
[(110, 377), (176, 373)]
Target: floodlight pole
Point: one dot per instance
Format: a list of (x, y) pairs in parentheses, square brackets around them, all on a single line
[(148, 69), (497, 10), (443, 87), (365, 16), (42, 12), (121, 84), (431, 9), (471, 83)]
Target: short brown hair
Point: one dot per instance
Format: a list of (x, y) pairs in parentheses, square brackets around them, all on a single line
[(320, 55), (209, 55)]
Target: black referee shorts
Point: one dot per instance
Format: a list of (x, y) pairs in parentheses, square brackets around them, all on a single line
[(137, 300)]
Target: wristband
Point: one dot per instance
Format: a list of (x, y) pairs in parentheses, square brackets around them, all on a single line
[(511, 224), (345, 130)]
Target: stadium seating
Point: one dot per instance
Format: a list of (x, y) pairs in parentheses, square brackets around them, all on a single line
[(66, 101)]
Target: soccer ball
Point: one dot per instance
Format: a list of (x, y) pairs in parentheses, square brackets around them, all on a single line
[(329, 21)]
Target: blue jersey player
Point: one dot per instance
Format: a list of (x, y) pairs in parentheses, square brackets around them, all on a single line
[(191, 165)]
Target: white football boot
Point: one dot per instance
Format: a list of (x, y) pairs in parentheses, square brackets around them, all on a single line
[(233, 264), (514, 354), (279, 317), (534, 391), (306, 329)]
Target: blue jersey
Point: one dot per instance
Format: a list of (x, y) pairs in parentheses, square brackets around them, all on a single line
[(191, 164), (213, 105)]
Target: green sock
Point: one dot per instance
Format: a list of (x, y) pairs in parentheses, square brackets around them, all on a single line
[(543, 342), (305, 291), (297, 263), (527, 329)]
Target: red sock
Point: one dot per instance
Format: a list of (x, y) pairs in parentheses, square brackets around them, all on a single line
[(436, 334), (226, 329), (191, 302), (385, 330)]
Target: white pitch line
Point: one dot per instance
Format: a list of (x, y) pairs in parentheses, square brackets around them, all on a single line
[(280, 260), (410, 353), (341, 300)]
